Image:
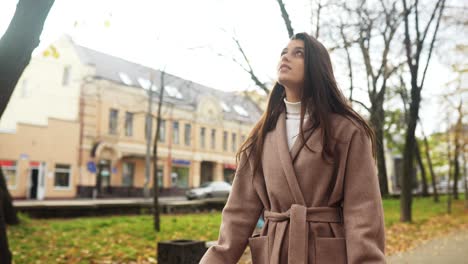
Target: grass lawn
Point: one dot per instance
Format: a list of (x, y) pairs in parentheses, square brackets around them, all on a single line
[(423, 208), (127, 239)]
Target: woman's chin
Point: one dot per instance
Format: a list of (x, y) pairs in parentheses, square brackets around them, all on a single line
[(287, 82)]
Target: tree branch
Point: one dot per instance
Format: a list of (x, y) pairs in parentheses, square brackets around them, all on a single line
[(362, 104), (253, 76), (286, 19), (431, 47)]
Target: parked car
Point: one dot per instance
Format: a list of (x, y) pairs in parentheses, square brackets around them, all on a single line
[(209, 189), (444, 185)]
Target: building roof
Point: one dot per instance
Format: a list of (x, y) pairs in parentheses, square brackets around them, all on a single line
[(180, 92)]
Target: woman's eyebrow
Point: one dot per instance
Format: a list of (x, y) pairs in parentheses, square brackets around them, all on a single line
[(294, 49)]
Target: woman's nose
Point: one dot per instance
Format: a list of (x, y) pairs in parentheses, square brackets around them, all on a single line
[(285, 57)]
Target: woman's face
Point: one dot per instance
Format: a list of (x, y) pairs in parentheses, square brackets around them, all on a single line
[(291, 65)]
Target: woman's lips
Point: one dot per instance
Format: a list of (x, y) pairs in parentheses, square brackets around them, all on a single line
[(284, 67)]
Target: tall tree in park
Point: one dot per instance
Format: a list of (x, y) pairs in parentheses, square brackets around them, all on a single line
[(16, 46), (156, 209), (416, 42), (375, 25)]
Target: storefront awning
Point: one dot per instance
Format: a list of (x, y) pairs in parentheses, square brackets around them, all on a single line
[(230, 166)]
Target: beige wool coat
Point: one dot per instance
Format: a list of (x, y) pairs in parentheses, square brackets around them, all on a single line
[(315, 212)]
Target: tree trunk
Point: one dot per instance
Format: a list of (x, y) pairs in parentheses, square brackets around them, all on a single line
[(449, 158), (18, 42), (456, 163), (410, 144), (424, 192), (465, 180), (5, 254), (8, 210), (431, 170), (377, 120), (156, 209), (456, 171)]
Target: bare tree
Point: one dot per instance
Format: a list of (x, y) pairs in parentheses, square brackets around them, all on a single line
[(156, 209), (417, 151), (415, 42), (16, 46), (379, 24)]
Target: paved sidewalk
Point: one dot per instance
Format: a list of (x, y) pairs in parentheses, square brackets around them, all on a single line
[(450, 249)]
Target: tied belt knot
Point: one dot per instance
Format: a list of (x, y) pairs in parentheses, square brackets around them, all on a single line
[(298, 216)]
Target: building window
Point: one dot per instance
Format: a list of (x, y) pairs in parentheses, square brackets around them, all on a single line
[(242, 139), (187, 134), (62, 176), (202, 137), (66, 76), (9, 171), (175, 134), (234, 142), (113, 117), (225, 141), (213, 138), (128, 172), (162, 131), (160, 177), (128, 124)]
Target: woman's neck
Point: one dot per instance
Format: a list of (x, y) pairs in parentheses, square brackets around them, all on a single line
[(292, 107)]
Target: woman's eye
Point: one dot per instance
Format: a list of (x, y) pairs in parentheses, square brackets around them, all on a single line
[(299, 53), (282, 53)]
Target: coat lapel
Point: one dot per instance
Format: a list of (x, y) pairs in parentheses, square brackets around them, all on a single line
[(286, 160)]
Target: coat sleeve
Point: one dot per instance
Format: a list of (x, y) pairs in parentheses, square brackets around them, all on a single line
[(362, 205), (239, 217)]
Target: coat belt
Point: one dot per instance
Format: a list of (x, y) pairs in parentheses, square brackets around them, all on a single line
[(298, 216)]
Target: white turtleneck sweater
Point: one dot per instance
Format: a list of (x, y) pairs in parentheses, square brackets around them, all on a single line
[(293, 116)]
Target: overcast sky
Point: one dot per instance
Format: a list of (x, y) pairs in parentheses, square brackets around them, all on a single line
[(186, 37)]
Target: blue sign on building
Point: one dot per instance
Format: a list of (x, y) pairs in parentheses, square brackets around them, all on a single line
[(91, 166), (181, 162)]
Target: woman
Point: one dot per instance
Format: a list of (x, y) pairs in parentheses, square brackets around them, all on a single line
[(308, 166)]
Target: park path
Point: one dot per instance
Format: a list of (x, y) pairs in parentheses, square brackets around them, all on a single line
[(448, 249)]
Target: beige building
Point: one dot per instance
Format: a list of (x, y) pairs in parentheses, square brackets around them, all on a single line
[(76, 127)]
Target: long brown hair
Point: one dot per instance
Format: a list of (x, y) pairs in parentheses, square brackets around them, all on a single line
[(320, 97)]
